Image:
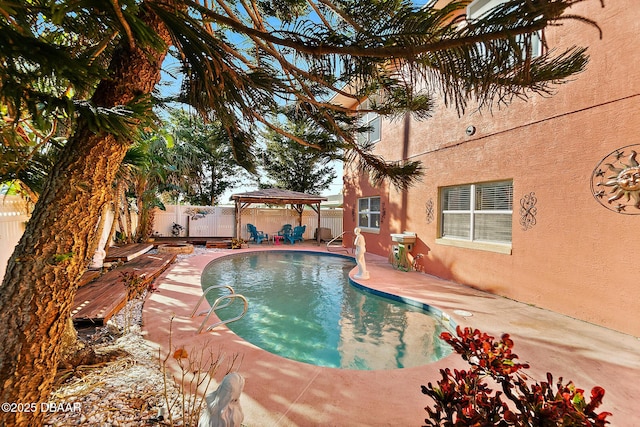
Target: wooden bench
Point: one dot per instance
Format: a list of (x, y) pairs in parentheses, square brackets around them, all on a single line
[(97, 301)]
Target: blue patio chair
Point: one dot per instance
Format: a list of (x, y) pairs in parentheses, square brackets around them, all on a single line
[(298, 231), (285, 231), (257, 236)]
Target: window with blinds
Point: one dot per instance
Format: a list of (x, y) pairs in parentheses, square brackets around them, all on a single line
[(371, 120), (478, 212), (369, 212)]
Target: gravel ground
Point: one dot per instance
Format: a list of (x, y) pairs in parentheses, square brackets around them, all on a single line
[(130, 391)]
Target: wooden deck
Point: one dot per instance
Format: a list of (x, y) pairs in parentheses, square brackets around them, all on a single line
[(211, 243), (97, 301)]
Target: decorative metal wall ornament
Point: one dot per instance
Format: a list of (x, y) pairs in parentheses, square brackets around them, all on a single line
[(528, 211), (429, 210), (615, 182), (383, 213)]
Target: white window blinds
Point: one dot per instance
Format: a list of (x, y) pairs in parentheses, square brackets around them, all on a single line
[(478, 212)]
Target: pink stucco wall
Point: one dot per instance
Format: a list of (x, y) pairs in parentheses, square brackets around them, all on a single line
[(579, 259)]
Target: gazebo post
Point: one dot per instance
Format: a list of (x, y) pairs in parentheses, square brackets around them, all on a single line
[(238, 220), (298, 207), (318, 227), (239, 208)]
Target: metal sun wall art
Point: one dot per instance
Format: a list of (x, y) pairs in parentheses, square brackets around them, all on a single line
[(528, 211), (615, 182)]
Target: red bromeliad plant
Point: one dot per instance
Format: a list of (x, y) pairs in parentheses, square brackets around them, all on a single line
[(463, 398)]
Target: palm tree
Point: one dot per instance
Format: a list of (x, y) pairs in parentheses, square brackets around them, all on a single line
[(152, 178), (241, 61), (141, 177)]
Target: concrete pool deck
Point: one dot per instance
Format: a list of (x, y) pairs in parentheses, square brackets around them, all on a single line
[(283, 392)]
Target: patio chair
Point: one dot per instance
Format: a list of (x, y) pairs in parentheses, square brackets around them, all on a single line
[(257, 236), (285, 231), (298, 231)]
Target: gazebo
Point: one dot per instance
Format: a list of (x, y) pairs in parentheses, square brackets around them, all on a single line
[(276, 196)]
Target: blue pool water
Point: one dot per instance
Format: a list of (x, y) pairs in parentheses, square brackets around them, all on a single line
[(302, 307)]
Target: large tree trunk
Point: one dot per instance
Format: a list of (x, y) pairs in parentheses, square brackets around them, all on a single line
[(146, 229), (41, 278)]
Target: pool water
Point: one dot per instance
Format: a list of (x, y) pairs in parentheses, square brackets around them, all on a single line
[(302, 307)]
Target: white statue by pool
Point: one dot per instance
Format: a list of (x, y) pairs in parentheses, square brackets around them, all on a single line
[(223, 405), (361, 249)]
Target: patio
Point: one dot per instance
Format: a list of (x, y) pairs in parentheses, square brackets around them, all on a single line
[(282, 392)]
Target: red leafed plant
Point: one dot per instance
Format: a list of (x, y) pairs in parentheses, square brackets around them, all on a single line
[(463, 398)]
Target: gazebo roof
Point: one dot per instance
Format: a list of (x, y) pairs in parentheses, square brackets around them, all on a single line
[(277, 196)]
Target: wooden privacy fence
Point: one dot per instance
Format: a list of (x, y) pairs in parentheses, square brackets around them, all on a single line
[(219, 221), (14, 213), (196, 221)]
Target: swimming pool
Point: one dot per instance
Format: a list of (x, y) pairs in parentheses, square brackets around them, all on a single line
[(302, 307)]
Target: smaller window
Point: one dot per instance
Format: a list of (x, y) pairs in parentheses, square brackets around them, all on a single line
[(371, 120), (369, 212)]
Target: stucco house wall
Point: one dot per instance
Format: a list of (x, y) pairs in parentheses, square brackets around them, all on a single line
[(580, 258)]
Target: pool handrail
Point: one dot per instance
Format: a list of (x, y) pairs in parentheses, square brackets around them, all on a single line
[(224, 322), (339, 247), (204, 294)]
